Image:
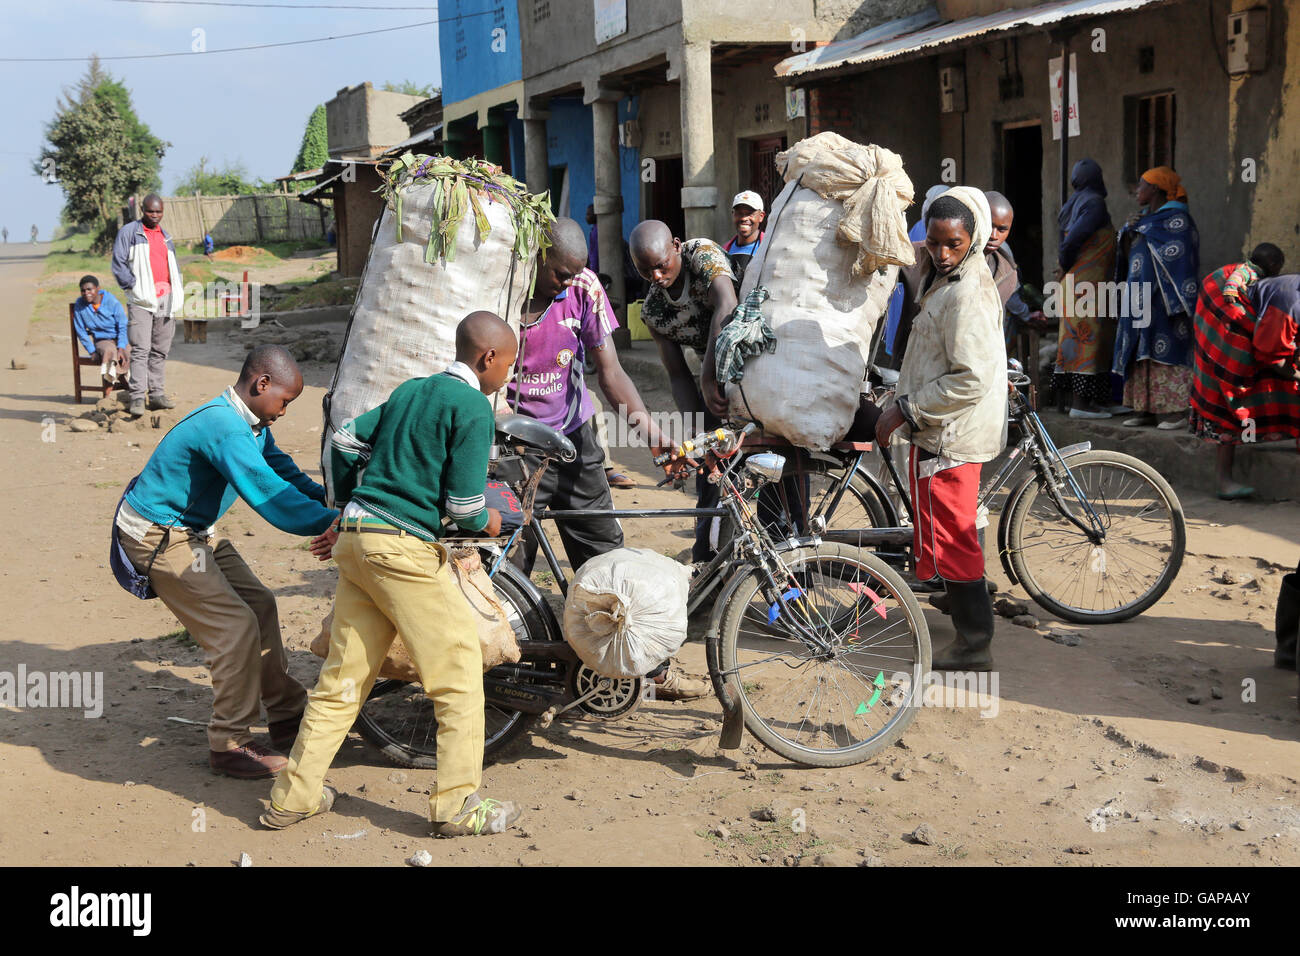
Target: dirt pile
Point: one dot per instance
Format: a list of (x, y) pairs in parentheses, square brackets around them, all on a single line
[(238, 254)]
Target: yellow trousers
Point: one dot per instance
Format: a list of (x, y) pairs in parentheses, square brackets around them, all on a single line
[(394, 585)]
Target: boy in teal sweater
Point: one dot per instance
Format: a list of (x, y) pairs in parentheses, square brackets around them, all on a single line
[(425, 456), (165, 523)]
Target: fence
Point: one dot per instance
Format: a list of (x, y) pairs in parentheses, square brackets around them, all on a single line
[(243, 219)]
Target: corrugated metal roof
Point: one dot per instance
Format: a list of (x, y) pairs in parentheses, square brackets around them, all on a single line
[(424, 136), (923, 31)]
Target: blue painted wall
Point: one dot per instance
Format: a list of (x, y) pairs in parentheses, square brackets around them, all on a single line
[(465, 40), (629, 169), (570, 142), (516, 127)]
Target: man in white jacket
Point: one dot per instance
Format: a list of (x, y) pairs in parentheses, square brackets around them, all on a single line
[(144, 264), (952, 398)]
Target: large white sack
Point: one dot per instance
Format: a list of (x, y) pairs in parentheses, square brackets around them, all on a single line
[(626, 611), (404, 322), (823, 319)]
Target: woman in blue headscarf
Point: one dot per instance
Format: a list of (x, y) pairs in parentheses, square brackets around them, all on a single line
[(1086, 258), (1159, 261)]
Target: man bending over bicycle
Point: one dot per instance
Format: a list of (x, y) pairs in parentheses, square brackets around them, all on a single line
[(952, 392), (428, 456)]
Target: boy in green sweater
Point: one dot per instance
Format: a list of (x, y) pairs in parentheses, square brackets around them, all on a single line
[(425, 455)]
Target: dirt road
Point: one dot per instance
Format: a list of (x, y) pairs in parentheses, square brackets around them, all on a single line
[(1095, 755)]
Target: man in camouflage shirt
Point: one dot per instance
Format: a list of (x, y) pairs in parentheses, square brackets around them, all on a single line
[(692, 291)]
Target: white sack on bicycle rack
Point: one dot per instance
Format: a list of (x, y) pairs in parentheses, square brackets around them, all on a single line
[(822, 314), (626, 611), (404, 323)]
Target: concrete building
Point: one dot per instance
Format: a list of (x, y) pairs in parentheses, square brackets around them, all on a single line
[(643, 110), (675, 103), (362, 124), (1153, 88), (482, 81)]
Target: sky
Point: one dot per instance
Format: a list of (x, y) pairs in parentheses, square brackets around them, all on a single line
[(249, 107)]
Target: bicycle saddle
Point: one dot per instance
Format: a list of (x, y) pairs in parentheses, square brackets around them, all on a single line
[(529, 431)]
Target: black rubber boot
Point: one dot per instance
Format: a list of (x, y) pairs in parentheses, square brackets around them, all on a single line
[(972, 616), (1287, 622), (940, 602)]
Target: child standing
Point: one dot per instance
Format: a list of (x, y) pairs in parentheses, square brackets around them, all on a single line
[(952, 397)]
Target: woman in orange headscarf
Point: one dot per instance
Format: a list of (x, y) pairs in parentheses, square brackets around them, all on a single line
[(1159, 261)]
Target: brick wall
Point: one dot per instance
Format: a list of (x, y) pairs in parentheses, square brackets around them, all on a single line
[(831, 107)]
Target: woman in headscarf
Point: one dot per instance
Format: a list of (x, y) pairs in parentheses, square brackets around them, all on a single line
[(1234, 396), (1086, 258), (952, 401), (1159, 261)]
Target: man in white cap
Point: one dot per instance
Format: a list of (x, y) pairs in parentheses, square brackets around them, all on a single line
[(748, 214)]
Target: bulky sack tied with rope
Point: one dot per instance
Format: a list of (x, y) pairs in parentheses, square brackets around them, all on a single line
[(495, 635), (794, 356)]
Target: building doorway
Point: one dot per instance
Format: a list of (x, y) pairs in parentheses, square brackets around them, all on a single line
[(758, 168), (664, 195), (1022, 184)]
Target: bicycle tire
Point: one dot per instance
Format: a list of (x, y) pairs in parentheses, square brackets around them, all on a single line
[(749, 690), (396, 738), (1028, 558)]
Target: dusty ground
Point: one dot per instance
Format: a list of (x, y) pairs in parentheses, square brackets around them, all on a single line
[(1102, 731)]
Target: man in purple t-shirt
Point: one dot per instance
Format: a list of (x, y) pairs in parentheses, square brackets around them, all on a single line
[(569, 317)]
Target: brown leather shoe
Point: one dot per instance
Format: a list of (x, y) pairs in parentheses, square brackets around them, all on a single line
[(249, 762), (283, 733)]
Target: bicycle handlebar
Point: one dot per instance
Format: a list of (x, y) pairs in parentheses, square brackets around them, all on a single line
[(704, 442)]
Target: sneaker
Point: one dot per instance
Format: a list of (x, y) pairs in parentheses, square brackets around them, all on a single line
[(137, 408), (678, 685), (277, 819), (249, 762), (158, 402), (479, 817)]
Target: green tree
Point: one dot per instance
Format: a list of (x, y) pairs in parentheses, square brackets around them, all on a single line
[(142, 139), (411, 88), (99, 152), (314, 150), (231, 179)]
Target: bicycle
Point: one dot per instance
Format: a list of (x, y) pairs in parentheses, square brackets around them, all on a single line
[(819, 649), (1094, 537)]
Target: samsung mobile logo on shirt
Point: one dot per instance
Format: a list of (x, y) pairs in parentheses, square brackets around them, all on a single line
[(76, 909)]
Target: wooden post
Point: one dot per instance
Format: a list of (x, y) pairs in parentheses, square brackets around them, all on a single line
[(198, 199), (257, 218)]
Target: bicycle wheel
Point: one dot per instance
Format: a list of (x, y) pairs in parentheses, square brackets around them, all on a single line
[(398, 718), (831, 706), (1131, 569)]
